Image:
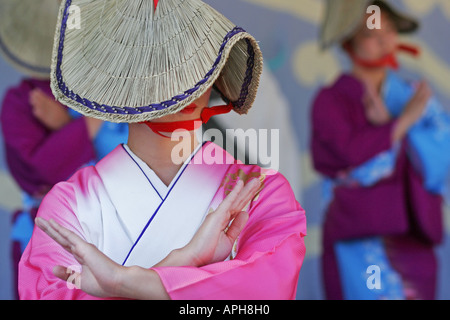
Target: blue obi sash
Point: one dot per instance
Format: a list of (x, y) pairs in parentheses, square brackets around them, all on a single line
[(365, 271)]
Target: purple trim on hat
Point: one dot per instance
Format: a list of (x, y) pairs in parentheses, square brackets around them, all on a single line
[(156, 106)]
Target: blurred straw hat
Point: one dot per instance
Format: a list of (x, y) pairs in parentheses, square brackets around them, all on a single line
[(343, 17), (134, 61), (27, 29)]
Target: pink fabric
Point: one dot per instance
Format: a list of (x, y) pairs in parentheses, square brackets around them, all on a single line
[(270, 250), (36, 280), (270, 254)]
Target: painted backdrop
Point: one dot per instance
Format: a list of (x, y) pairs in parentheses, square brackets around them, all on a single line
[(294, 70)]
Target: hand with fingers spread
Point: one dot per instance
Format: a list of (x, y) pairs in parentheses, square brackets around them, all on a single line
[(99, 274), (102, 277), (214, 240)]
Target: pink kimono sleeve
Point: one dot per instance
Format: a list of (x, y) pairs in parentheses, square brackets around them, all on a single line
[(36, 280), (269, 256)]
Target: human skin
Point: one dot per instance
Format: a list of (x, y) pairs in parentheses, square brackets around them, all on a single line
[(212, 243)]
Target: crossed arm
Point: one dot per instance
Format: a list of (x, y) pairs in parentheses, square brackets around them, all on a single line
[(102, 277)]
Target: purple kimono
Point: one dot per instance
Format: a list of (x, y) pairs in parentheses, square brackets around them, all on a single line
[(37, 157), (398, 208)]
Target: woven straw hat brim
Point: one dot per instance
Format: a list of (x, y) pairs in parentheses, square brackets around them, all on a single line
[(27, 29), (131, 63), (343, 17)]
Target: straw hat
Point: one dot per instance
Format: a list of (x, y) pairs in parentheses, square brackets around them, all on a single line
[(27, 29), (133, 61), (343, 17)]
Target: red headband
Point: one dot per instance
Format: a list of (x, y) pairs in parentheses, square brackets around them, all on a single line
[(189, 125), (389, 60)]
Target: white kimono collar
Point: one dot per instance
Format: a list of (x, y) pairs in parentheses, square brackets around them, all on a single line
[(158, 222)]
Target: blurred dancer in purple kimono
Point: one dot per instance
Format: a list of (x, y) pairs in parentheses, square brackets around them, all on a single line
[(45, 143), (393, 222)]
